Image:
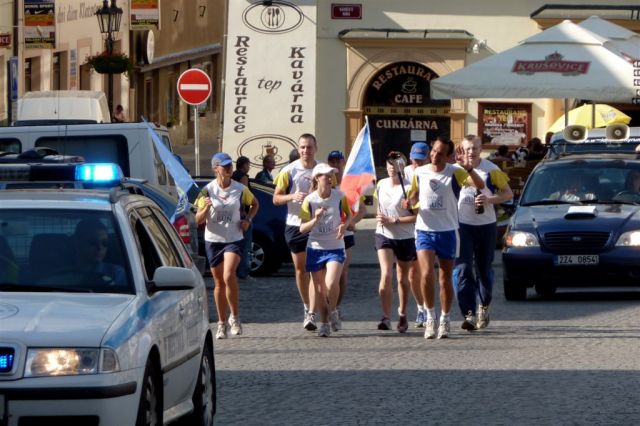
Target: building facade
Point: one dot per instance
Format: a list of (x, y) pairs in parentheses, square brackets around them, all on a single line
[(161, 38)]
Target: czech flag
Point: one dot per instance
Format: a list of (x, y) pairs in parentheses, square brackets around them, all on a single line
[(359, 173)]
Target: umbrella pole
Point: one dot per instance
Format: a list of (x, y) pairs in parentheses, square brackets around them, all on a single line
[(566, 112), (593, 114)]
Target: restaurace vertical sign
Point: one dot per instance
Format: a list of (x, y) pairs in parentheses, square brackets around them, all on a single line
[(270, 77)]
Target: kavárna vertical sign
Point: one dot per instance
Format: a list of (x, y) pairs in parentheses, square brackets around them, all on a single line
[(270, 78)]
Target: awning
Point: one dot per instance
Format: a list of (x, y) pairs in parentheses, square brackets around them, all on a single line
[(179, 57)]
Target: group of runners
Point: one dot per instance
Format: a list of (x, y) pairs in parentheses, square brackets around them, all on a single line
[(439, 207)]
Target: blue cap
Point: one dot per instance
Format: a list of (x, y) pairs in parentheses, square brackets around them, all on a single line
[(419, 151), (221, 159), (336, 154)]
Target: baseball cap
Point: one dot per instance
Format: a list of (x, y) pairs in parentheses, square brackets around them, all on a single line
[(419, 151), (221, 159), (322, 169), (336, 154)]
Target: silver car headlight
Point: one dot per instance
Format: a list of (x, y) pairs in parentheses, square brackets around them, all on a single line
[(629, 239), (521, 239), (69, 361)]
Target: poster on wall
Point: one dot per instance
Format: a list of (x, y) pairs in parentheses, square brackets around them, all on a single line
[(145, 14), (504, 123), (39, 24), (270, 78)]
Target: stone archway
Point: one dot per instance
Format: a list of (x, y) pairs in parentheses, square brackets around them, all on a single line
[(398, 104)]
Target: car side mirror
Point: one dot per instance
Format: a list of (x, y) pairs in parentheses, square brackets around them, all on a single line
[(174, 278)]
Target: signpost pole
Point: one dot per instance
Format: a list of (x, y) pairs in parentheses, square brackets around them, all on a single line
[(194, 87), (196, 137)]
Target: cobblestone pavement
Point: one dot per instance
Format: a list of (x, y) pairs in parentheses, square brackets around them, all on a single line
[(572, 359)]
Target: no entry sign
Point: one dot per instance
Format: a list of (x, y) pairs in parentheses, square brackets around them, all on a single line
[(194, 86)]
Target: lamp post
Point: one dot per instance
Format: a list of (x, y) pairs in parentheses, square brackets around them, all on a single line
[(109, 18)]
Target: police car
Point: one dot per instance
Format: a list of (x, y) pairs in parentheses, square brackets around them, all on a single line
[(103, 314), (577, 222)]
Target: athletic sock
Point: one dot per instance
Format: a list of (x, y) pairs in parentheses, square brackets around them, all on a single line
[(431, 314)]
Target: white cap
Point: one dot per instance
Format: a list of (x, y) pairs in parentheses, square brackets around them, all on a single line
[(322, 169)]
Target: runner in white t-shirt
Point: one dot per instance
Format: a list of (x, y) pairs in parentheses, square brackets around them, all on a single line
[(336, 160), (325, 215), (221, 207), (478, 237), (436, 187), (394, 239)]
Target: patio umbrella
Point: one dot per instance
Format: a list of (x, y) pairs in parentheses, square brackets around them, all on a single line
[(618, 39), (564, 61), (582, 115)]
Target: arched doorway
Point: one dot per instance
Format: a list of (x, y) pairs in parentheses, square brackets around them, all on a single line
[(398, 104)]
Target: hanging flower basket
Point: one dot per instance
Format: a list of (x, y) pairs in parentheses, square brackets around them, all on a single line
[(115, 63)]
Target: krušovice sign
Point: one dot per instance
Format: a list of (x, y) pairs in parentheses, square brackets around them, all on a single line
[(270, 78), (551, 63)]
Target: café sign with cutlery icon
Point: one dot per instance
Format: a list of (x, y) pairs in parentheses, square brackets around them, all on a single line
[(279, 17)]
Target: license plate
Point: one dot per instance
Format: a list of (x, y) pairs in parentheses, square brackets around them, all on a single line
[(577, 259)]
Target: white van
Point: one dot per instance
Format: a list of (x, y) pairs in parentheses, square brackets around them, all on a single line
[(63, 107), (128, 144)]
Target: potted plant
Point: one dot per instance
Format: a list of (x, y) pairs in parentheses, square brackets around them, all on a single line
[(114, 63)]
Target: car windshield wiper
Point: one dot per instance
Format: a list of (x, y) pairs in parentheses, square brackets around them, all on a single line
[(40, 288), (549, 202)]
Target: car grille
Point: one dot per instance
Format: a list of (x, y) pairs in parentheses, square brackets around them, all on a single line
[(576, 242)]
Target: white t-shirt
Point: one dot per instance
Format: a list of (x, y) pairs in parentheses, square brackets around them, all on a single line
[(225, 214), (389, 204), (438, 196), (324, 234), (494, 179), (293, 178)]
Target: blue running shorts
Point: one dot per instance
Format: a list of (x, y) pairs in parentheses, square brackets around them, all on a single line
[(445, 244), (317, 259)]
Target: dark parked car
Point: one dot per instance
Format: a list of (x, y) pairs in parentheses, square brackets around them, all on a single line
[(269, 248), (577, 223)]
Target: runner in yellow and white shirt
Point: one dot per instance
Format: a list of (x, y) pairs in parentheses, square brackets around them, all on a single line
[(473, 274), (436, 187), (293, 184), (325, 216), (221, 207)]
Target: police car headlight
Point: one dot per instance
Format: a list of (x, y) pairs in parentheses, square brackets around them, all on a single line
[(521, 239), (69, 361), (629, 239)]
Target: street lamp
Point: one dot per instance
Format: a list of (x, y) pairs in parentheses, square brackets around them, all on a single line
[(109, 18)]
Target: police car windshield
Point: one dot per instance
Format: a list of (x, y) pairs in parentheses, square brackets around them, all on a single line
[(584, 182), (62, 250)]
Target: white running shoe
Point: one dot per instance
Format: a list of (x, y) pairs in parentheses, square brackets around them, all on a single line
[(324, 330), (430, 328), (310, 321), (444, 329), (236, 327), (469, 322), (483, 316), (336, 322), (222, 331)]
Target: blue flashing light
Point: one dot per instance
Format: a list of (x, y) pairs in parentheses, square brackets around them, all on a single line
[(6, 360), (99, 172)]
